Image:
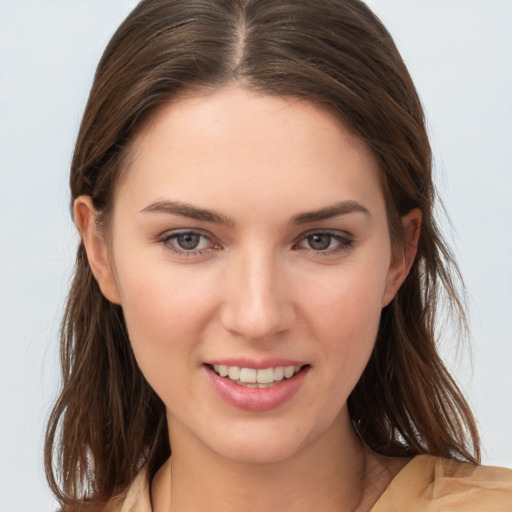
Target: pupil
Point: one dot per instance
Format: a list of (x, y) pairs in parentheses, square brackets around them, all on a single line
[(319, 242), (188, 241)]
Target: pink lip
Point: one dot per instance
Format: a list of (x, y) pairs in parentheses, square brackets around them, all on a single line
[(256, 399)]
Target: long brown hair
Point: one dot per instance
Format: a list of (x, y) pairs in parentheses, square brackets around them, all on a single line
[(107, 421)]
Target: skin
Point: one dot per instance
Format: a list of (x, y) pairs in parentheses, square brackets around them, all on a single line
[(255, 287)]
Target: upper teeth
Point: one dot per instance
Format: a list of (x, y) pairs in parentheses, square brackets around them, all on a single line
[(253, 376)]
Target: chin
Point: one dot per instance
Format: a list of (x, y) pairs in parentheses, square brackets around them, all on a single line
[(271, 450), (269, 442)]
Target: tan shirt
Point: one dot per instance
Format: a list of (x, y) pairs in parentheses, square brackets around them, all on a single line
[(425, 484)]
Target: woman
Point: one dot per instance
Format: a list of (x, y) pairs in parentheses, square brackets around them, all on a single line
[(258, 276)]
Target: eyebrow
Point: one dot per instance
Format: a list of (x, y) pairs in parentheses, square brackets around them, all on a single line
[(189, 211), (343, 208), (192, 212)]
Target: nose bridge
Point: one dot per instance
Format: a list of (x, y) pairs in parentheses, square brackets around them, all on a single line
[(256, 303)]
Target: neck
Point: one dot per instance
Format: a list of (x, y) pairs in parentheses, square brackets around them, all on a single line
[(329, 474)]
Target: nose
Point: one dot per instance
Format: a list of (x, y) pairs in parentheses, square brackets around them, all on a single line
[(257, 303)]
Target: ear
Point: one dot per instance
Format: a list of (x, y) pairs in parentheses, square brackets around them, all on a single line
[(96, 247), (403, 260)]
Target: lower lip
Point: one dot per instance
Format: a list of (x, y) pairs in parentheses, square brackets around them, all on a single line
[(256, 399)]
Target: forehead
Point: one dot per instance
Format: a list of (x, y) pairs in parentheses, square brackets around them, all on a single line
[(210, 146)]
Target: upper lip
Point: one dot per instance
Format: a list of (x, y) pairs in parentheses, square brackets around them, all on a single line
[(260, 364)]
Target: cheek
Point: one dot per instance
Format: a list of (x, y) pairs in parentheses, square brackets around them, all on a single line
[(346, 302), (165, 310), (345, 312)]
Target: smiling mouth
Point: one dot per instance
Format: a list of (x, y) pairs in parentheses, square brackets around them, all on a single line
[(253, 378)]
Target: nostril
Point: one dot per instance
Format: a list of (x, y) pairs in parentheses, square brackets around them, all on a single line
[(257, 321)]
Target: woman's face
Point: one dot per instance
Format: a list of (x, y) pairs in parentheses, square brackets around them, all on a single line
[(249, 237)]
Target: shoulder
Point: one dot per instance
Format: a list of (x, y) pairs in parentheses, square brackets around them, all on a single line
[(445, 485)]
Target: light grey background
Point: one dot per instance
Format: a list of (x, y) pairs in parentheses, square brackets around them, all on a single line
[(459, 53)]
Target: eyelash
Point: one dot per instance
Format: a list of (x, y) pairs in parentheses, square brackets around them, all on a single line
[(167, 241), (345, 243)]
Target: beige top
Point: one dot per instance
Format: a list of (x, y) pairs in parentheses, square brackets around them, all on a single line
[(425, 484)]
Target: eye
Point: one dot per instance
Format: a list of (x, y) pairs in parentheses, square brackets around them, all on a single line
[(187, 242), (319, 241), (324, 242)]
